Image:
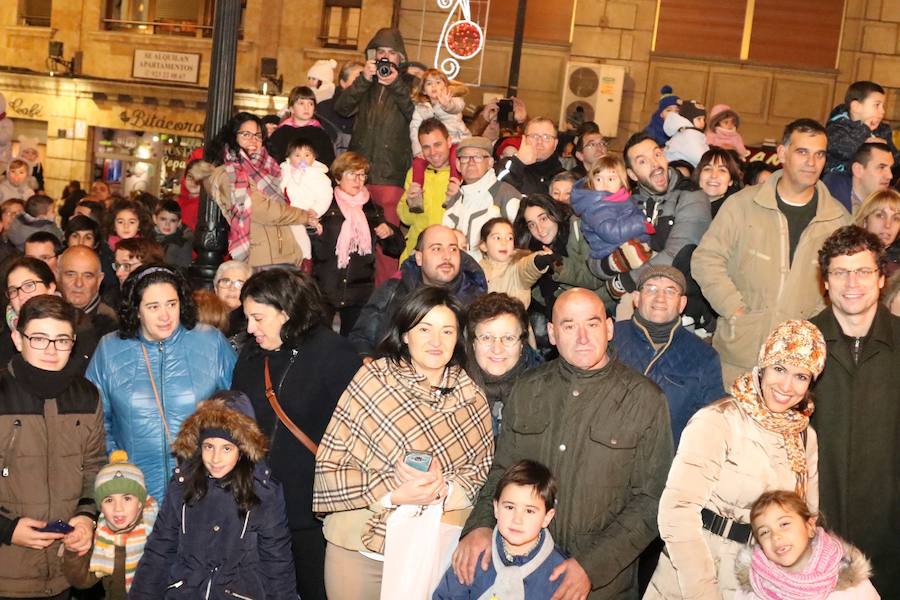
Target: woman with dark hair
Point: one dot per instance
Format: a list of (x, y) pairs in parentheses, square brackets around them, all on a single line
[(52, 427), (413, 407), (718, 175), (245, 182), (24, 277), (544, 224), (134, 252), (755, 440), (497, 349), (222, 531), (152, 372), (293, 368)]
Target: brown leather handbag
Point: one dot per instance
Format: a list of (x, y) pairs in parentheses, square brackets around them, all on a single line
[(282, 416)]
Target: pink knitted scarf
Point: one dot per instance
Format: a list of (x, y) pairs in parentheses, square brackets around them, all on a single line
[(815, 582), (355, 235)]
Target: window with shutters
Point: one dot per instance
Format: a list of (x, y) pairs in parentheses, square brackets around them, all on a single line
[(188, 18), (803, 33), (340, 24)]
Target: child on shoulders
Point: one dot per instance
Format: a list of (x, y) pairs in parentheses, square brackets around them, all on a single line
[(858, 120)]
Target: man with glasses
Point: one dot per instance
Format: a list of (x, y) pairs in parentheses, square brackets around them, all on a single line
[(481, 197), (536, 162), (590, 146), (44, 246), (654, 343), (756, 265), (857, 414)]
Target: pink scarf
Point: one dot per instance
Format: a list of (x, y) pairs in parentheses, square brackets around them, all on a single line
[(815, 582), (730, 139), (355, 235), (290, 121)]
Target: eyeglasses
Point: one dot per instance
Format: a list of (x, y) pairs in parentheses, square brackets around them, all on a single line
[(360, 175), (540, 137), (652, 289), (471, 159), (127, 267), (246, 135), (230, 283), (844, 274), (595, 144), (509, 340), (46, 257), (39, 342), (27, 287)]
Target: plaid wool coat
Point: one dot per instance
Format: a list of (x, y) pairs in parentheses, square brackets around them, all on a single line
[(388, 410)]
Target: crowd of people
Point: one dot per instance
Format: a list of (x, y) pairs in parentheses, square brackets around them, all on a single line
[(460, 356)]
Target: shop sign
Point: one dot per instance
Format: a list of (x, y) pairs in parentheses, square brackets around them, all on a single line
[(19, 107), (141, 119), (166, 66)]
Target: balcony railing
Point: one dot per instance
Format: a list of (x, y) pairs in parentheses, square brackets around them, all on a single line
[(163, 27)]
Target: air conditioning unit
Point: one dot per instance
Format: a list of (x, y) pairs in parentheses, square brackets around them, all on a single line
[(592, 92)]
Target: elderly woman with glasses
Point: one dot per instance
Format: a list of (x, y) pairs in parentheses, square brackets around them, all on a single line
[(245, 183), (497, 351)]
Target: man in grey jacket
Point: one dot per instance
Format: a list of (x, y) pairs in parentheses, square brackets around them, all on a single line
[(604, 430), (678, 211)]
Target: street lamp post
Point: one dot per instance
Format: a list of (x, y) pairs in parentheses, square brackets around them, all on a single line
[(210, 239)]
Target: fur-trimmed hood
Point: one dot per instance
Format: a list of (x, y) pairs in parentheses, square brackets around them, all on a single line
[(855, 567), (217, 414)]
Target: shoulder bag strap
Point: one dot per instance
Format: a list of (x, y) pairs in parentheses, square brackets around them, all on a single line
[(282, 416), (162, 414)]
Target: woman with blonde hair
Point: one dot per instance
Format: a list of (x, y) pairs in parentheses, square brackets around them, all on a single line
[(880, 214)]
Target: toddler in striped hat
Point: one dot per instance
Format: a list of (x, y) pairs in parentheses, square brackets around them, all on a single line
[(127, 514)]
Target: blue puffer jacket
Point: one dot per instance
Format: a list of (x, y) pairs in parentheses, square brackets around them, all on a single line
[(687, 369), (608, 220), (187, 367), (207, 550)]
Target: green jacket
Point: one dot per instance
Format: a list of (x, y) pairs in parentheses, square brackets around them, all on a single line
[(383, 113), (857, 418), (606, 436)]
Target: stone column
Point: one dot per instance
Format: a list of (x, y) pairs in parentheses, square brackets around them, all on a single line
[(210, 239)]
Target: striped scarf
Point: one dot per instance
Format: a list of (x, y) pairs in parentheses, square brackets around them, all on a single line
[(790, 424), (245, 172), (103, 559)]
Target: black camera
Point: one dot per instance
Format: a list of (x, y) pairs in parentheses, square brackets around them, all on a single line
[(383, 68), (506, 112)]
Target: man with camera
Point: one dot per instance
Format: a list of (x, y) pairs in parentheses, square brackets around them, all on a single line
[(380, 101)]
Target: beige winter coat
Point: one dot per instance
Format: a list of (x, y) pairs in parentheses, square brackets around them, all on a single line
[(724, 462), (515, 278), (743, 262)]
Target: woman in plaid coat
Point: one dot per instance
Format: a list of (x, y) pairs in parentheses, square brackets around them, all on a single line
[(415, 398)]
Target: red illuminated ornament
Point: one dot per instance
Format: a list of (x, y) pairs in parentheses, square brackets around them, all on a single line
[(464, 39)]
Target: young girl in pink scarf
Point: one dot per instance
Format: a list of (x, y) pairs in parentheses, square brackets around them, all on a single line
[(722, 130), (343, 253), (795, 560)]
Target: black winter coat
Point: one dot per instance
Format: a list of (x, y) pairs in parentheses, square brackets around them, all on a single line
[(309, 377), (207, 550), (529, 179), (352, 285), (857, 419)]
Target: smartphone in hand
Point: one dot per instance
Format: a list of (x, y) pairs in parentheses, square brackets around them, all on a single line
[(420, 461), (57, 526)]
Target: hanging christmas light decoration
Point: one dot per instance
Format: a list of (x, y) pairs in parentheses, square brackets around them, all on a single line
[(462, 37)]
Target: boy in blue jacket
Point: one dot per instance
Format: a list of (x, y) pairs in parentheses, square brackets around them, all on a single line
[(858, 120), (523, 553)]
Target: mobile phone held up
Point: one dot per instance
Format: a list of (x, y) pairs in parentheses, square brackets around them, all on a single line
[(505, 113), (420, 461), (57, 526)]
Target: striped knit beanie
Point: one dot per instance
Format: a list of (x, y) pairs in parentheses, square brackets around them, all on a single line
[(119, 477)]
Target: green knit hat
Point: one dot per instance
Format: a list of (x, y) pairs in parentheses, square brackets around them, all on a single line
[(119, 477)]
